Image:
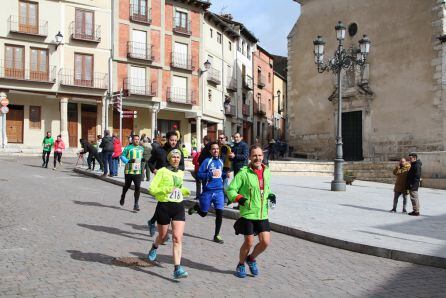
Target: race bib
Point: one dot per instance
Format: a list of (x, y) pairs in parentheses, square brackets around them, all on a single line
[(136, 166), (176, 195), (216, 173)]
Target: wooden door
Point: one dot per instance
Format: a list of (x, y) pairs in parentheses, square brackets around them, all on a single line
[(84, 27), (352, 136), (127, 127), (88, 122), (212, 132), (72, 125), (14, 124), (83, 70)]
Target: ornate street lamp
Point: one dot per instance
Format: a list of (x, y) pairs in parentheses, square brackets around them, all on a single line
[(59, 38), (343, 59)]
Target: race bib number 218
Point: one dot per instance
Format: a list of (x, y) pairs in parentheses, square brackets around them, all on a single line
[(176, 195)]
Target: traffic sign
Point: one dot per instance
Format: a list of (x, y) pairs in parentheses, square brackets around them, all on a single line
[(4, 109)]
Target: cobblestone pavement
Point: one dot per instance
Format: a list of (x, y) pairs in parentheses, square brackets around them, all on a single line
[(60, 231)]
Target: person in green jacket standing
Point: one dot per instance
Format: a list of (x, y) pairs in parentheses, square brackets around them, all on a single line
[(167, 187), (47, 144), (251, 189)]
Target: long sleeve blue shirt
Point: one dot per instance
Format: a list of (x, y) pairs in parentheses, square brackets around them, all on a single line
[(205, 174)]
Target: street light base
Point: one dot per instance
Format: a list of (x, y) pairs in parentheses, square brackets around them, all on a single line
[(338, 185)]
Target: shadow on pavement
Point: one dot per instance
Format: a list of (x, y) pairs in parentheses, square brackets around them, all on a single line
[(107, 260), (96, 204), (197, 237), (114, 231), (378, 210), (185, 262), (34, 166)]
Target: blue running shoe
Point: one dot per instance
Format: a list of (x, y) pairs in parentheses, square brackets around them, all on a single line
[(253, 267), (180, 273), (152, 228), (240, 271), (152, 255)]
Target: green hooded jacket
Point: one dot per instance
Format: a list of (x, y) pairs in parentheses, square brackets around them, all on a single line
[(47, 144), (167, 186), (246, 183)]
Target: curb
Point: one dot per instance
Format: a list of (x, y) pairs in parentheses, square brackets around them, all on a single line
[(382, 252)]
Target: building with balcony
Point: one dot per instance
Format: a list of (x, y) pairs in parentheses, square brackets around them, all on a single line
[(280, 102), (157, 53), (51, 86), (263, 64)]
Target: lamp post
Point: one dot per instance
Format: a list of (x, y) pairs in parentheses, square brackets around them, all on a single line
[(343, 59)]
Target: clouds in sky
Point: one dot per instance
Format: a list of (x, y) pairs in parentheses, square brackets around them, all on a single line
[(269, 20)]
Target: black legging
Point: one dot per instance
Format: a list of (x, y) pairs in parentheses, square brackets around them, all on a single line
[(57, 157), (45, 158), (218, 217), (136, 179)]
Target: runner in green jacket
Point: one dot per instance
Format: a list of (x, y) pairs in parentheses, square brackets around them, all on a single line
[(167, 188), (251, 189), (47, 144)]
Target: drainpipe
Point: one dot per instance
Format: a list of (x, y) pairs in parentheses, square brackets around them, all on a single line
[(110, 63)]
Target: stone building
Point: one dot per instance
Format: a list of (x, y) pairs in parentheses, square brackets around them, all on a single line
[(396, 105)]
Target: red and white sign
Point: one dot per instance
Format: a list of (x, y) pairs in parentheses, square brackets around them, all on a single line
[(4, 110)]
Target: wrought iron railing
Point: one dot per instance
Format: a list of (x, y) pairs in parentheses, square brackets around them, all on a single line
[(180, 95), (214, 76), (247, 82), (137, 86), (141, 14), (35, 73), (261, 81), (180, 60), (139, 50), (27, 26), (181, 25), (96, 80), (85, 32), (230, 110)]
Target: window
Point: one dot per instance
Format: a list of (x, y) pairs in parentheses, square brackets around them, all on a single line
[(164, 126), (181, 20), (34, 117), (179, 89), (139, 8), (139, 44), (230, 46), (244, 99), (211, 32), (248, 51), (28, 17), (84, 24), (137, 80), (238, 46), (14, 61), (180, 56), (219, 37), (39, 65), (83, 70), (243, 47)]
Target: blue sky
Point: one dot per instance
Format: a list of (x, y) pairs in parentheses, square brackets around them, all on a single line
[(269, 20)]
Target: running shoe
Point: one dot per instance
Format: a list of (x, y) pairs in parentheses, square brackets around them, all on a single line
[(180, 273), (253, 267), (191, 210), (218, 239), (122, 201), (152, 255), (404, 211), (152, 228), (392, 210), (136, 207), (240, 271)]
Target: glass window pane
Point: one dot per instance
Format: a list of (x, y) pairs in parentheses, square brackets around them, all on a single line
[(22, 13), (9, 54), (89, 23), (18, 61), (88, 63), (78, 67), (43, 61), (32, 14), (33, 63)]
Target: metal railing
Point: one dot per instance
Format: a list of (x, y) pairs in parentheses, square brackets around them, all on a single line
[(180, 95), (180, 60), (230, 110), (9, 70), (139, 50), (23, 25), (246, 110), (136, 86), (232, 84), (181, 25), (214, 76), (96, 80), (247, 83), (260, 108), (77, 32), (140, 14), (261, 81)]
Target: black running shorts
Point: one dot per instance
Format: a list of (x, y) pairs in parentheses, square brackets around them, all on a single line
[(169, 211), (251, 227)]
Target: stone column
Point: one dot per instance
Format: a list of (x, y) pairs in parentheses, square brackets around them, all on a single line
[(64, 120), (154, 121), (199, 132)]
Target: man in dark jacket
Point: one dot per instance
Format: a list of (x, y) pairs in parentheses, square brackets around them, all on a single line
[(107, 152), (92, 152), (239, 154), (413, 182), (206, 151)]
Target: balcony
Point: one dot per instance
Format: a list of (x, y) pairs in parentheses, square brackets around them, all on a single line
[(140, 14), (181, 26), (85, 32), (230, 110), (247, 83), (96, 80), (245, 110), (182, 61), (260, 109), (34, 74), (133, 86), (261, 81), (139, 50), (23, 25), (232, 84), (214, 76), (181, 95)]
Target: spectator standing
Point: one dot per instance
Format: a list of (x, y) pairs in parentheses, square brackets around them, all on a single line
[(59, 146), (185, 151), (107, 152), (117, 151), (239, 154), (99, 149), (92, 153), (147, 154), (400, 171), (413, 182)]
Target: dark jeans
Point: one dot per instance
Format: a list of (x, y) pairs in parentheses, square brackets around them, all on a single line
[(115, 164), (94, 155), (57, 157), (136, 179), (45, 158), (145, 170), (107, 159), (396, 197)]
